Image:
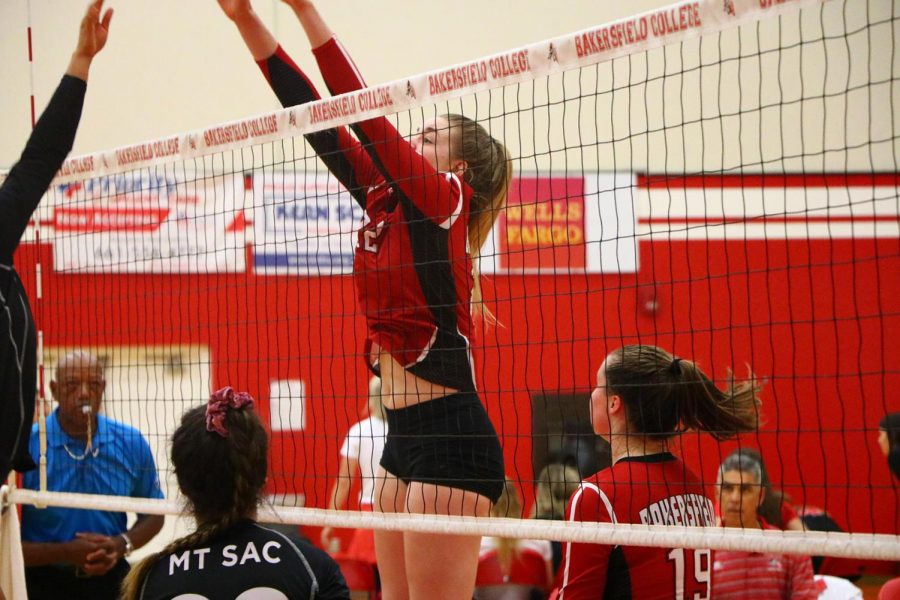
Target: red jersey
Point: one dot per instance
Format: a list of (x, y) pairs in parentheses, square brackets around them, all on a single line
[(657, 490), (412, 267), (788, 513), (752, 575)]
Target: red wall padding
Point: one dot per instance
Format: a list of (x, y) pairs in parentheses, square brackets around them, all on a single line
[(814, 318)]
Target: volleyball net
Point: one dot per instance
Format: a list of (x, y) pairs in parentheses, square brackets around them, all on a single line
[(718, 178)]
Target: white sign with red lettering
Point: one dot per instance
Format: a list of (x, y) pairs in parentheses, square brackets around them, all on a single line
[(148, 222)]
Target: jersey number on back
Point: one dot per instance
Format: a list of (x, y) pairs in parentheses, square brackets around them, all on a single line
[(702, 566)]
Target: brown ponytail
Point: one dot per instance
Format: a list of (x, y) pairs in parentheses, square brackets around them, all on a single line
[(665, 395), (488, 173), (222, 478)]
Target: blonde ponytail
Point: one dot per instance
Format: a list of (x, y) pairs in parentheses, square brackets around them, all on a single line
[(488, 172)]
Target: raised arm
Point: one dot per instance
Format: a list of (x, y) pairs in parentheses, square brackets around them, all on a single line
[(255, 34), (340, 492), (336, 147), (53, 135), (434, 194), (317, 30)]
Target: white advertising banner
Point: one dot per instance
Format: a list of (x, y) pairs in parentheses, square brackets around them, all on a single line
[(304, 224), (145, 222), (565, 224)]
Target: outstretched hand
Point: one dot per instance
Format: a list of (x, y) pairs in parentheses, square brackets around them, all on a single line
[(94, 30), (91, 39)]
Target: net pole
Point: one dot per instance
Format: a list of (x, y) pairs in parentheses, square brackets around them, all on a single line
[(38, 304)]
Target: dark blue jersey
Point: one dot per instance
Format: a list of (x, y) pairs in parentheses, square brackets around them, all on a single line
[(246, 561)]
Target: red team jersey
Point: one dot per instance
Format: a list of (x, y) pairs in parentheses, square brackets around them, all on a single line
[(412, 268), (757, 576), (656, 489)]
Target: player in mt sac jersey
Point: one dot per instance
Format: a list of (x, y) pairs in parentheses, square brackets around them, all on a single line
[(429, 204), (643, 398), (220, 455)]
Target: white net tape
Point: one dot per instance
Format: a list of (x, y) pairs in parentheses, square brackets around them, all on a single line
[(864, 546)]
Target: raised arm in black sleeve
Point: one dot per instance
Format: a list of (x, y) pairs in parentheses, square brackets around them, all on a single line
[(44, 153), (336, 147), (47, 148)]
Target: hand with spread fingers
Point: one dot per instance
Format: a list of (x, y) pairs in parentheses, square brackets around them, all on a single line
[(91, 39)]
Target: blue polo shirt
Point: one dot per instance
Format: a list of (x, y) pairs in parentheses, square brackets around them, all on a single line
[(121, 465)]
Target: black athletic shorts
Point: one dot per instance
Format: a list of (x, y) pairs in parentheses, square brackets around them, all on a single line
[(447, 441)]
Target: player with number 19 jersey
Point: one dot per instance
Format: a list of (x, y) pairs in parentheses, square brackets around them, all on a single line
[(656, 489)]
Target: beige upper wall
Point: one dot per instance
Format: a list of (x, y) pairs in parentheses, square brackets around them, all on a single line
[(175, 65), (169, 69)]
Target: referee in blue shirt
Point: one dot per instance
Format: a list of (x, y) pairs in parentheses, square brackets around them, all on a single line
[(74, 552)]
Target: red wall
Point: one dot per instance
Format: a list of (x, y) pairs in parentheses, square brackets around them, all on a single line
[(815, 318)]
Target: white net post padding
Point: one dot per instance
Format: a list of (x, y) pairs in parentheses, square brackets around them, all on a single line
[(12, 563)]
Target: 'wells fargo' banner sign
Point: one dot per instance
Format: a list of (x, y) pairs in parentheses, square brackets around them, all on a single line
[(559, 224), (543, 225)]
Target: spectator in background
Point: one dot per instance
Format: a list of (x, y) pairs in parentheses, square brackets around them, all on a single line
[(890, 590), (507, 550), (83, 551), (889, 441), (746, 575), (220, 455), (555, 485), (776, 508), (360, 455)]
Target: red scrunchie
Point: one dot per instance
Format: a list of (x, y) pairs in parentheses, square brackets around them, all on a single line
[(219, 403)]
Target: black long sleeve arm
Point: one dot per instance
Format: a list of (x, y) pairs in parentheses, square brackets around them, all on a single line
[(343, 155), (47, 148)]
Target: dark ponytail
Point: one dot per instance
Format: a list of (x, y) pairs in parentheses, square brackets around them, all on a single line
[(665, 395), (222, 476)]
